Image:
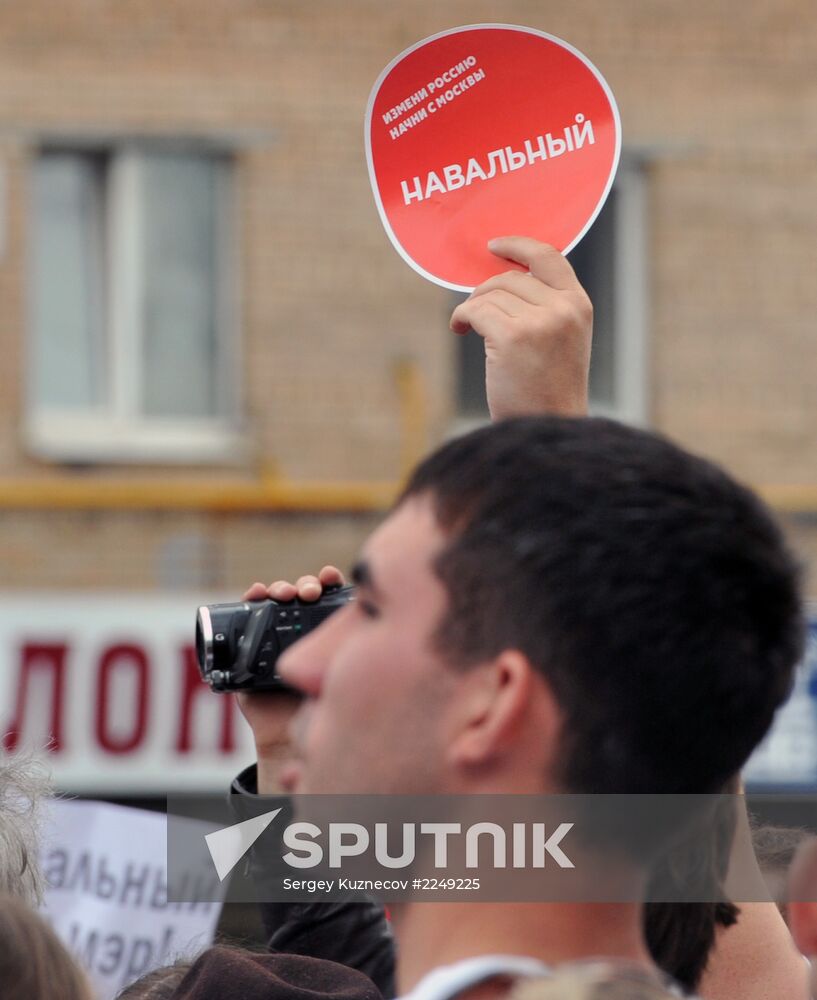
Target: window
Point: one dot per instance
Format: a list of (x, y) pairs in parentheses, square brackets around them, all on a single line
[(611, 264), (132, 346)]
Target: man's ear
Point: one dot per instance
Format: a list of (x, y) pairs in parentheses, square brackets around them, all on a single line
[(505, 711)]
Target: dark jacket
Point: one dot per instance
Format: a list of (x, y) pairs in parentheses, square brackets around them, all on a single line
[(355, 934)]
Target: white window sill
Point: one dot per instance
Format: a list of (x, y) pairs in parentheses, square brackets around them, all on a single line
[(70, 438)]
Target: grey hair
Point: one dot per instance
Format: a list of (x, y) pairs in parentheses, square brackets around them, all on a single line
[(24, 783)]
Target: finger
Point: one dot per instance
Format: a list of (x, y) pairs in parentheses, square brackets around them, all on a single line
[(467, 315), (331, 576), (257, 592), (542, 260), (522, 284), (282, 590), (485, 318), (309, 588)]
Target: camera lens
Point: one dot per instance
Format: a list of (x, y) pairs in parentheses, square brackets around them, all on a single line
[(204, 640), (219, 628)]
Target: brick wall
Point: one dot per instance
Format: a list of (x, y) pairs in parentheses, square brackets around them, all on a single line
[(721, 95)]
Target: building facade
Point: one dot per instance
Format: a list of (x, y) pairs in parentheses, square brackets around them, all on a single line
[(216, 369)]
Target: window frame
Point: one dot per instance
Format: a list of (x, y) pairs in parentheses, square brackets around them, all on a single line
[(631, 309), (116, 432)]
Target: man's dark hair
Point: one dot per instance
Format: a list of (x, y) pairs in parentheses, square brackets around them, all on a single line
[(686, 902), (654, 593)]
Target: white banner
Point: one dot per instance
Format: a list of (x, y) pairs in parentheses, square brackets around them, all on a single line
[(111, 682), (107, 898)]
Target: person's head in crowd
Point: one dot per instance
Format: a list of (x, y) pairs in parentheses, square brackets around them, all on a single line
[(553, 605), (34, 964), (775, 848), (685, 910), (245, 975), (23, 784), (802, 902)]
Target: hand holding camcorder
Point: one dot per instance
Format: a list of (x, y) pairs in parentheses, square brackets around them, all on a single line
[(238, 645)]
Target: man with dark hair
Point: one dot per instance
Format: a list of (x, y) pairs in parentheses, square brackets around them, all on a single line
[(594, 574), (554, 605)]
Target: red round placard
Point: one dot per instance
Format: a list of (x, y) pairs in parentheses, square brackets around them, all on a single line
[(483, 131)]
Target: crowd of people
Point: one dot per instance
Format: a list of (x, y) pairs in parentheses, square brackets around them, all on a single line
[(556, 603)]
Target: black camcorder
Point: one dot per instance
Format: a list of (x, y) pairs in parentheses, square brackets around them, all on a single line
[(238, 645)]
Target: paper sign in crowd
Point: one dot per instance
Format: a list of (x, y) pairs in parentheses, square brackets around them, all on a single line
[(483, 131), (107, 894)]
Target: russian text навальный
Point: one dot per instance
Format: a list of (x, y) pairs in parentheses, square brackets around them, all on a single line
[(500, 161)]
